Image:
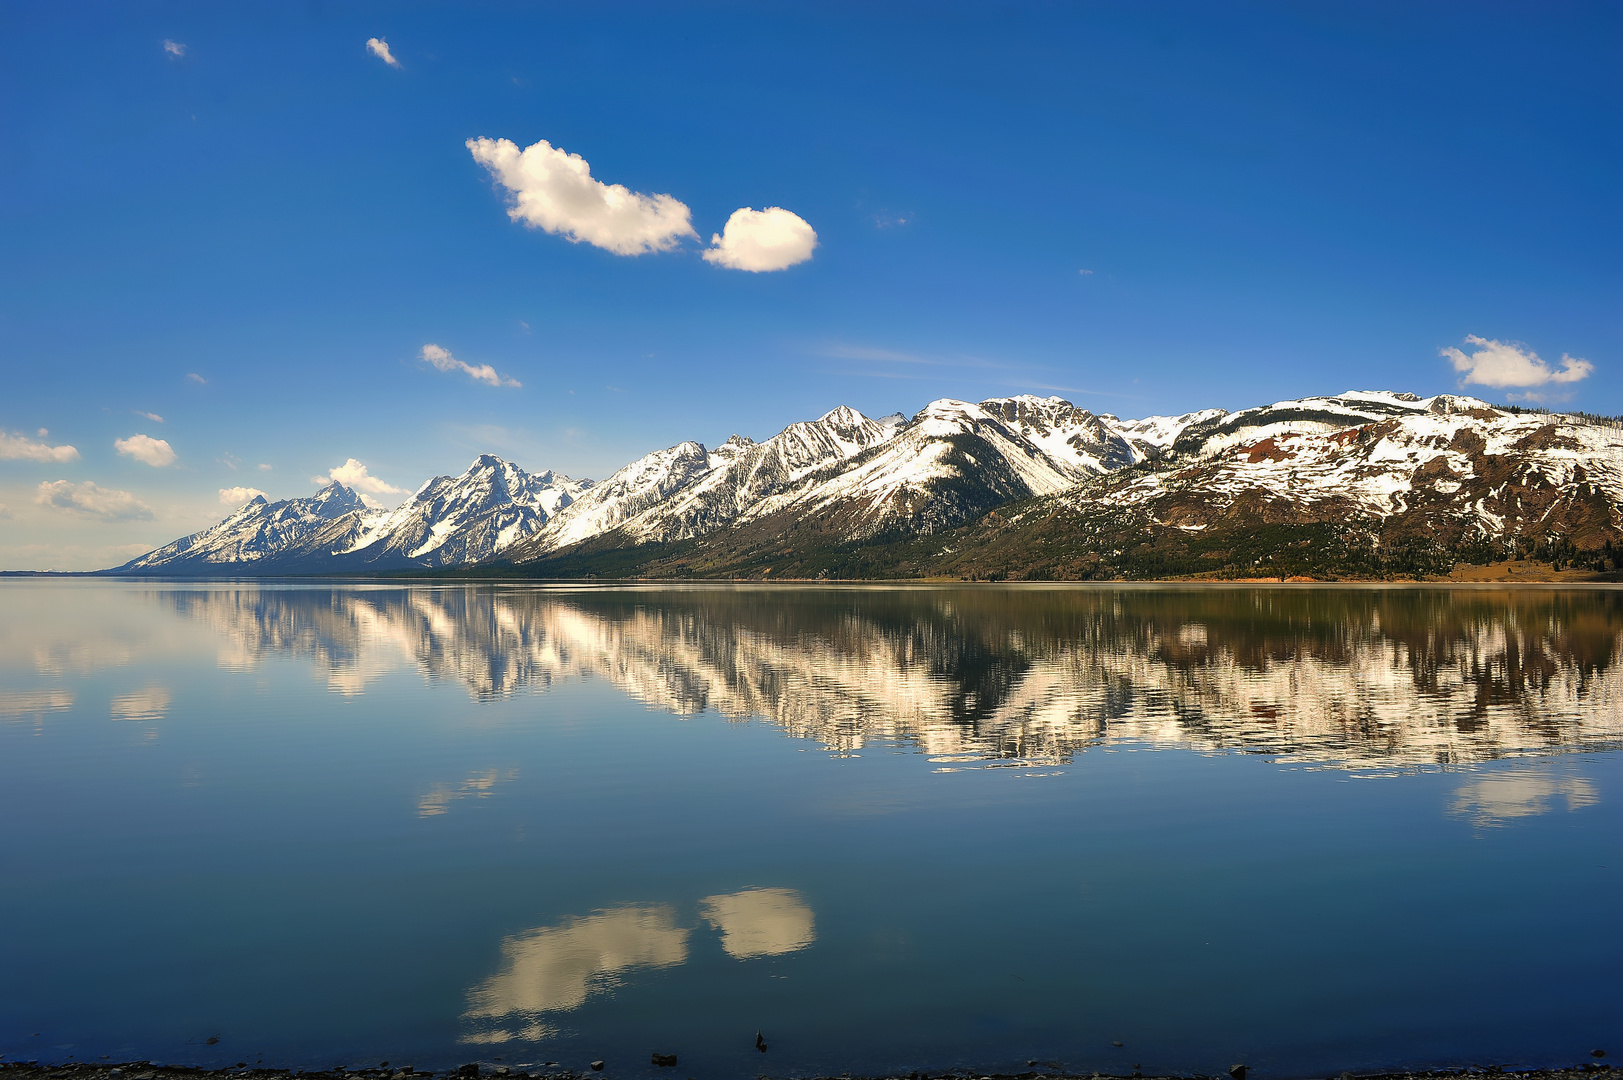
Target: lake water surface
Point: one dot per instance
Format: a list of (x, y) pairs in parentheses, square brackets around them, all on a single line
[(890, 829)]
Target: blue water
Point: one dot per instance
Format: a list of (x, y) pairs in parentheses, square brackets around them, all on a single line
[(1310, 830)]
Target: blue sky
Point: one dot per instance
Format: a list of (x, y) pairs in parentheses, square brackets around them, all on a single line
[(254, 232)]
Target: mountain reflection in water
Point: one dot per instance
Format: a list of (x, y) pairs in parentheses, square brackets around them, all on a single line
[(1345, 678)]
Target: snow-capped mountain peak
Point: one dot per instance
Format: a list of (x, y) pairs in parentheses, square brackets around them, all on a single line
[(255, 532), (453, 520), (1365, 454)]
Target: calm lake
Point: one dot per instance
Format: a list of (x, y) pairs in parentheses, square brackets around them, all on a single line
[(889, 829)]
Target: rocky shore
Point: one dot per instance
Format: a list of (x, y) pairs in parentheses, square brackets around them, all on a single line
[(142, 1070)]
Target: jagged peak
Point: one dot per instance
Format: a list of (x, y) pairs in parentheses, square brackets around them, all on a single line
[(843, 415), (1053, 401)]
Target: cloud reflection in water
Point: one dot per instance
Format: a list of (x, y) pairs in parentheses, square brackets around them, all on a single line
[(151, 703), (760, 922), (1498, 799), (555, 968)]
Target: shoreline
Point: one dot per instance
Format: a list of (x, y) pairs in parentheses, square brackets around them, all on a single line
[(144, 1070), (1508, 572)]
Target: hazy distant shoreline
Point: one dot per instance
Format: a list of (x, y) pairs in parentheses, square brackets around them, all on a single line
[(1518, 574), (141, 1070)]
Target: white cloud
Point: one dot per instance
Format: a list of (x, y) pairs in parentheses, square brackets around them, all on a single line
[(173, 48), (380, 49), (554, 190), (1085, 273), (5, 512), (237, 496), (154, 417), (92, 501), (758, 240), (15, 446), (353, 475), (147, 450), (1510, 363), (263, 466), (196, 378), (442, 359)]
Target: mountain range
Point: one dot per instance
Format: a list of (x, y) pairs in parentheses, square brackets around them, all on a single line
[(1365, 483)]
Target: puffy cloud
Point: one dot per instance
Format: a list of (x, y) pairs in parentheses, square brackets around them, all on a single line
[(92, 501), (18, 447), (554, 190), (147, 450), (237, 496), (1510, 363), (154, 417), (758, 240), (380, 49), (353, 475), (442, 359), (174, 48)]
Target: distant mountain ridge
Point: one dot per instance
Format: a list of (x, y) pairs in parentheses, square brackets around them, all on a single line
[(1080, 494), (449, 521)]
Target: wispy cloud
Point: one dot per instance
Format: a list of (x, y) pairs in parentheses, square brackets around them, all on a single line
[(442, 359), (1510, 363), (870, 374), (263, 466), (762, 240), (174, 48), (154, 417), (553, 190), (840, 351), (886, 361), (89, 500), (237, 496), (196, 378), (380, 49), (354, 475), (147, 450), (1076, 390), (874, 354), (15, 446)]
